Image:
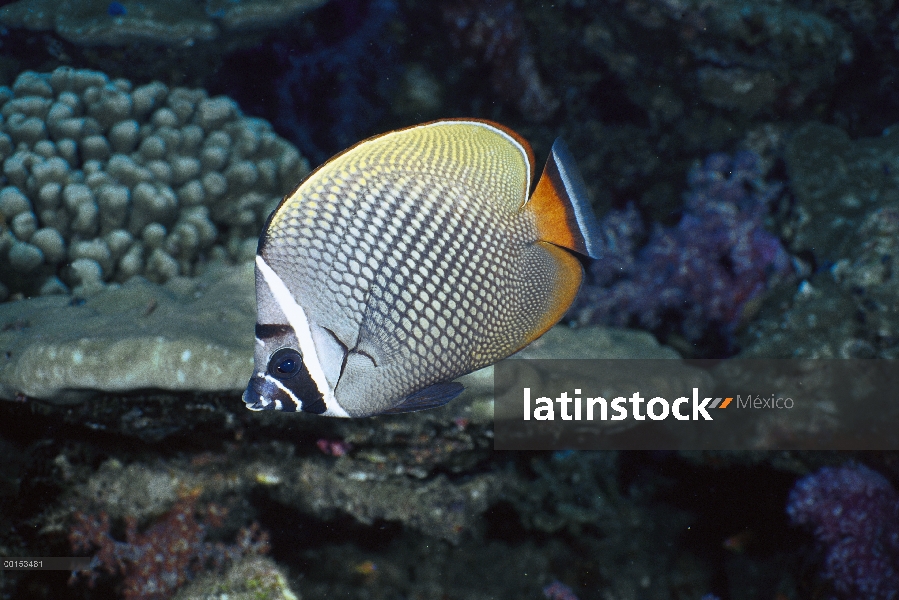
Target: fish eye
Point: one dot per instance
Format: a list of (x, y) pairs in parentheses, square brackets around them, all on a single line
[(285, 363)]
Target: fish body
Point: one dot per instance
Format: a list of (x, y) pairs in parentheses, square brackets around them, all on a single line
[(413, 258)]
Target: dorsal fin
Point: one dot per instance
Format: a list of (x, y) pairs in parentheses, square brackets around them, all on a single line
[(561, 205)]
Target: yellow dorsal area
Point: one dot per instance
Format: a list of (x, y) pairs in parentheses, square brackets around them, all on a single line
[(456, 150)]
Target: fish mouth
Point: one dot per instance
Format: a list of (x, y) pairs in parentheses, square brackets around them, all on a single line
[(261, 394), (256, 401), (261, 405)]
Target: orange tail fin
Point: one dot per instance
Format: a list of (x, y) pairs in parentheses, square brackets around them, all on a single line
[(560, 203)]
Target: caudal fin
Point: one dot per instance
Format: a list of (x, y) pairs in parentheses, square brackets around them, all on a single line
[(560, 203)]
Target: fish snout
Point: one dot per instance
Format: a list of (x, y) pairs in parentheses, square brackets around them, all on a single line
[(263, 394)]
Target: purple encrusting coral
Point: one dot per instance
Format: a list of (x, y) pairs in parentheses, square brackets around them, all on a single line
[(854, 512), (158, 561), (558, 591), (694, 278)]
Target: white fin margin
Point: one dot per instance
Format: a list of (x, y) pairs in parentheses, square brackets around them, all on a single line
[(577, 194)]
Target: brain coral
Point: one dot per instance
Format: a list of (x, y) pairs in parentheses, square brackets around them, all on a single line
[(103, 180)]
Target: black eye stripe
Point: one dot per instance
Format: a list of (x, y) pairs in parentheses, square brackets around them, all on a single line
[(297, 379), (268, 331)]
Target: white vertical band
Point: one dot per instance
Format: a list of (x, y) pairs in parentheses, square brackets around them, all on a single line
[(300, 324)]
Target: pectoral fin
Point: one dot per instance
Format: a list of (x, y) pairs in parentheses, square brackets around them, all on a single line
[(430, 397), (331, 352)]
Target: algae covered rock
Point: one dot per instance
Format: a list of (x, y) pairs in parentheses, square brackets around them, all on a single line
[(190, 334)]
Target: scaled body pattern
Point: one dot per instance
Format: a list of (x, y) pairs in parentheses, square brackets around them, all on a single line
[(409, 260)]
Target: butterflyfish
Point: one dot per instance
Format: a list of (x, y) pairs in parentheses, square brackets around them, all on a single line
[(410, 259)]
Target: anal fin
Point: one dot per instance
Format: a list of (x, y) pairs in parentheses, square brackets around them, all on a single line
[(430, 397)]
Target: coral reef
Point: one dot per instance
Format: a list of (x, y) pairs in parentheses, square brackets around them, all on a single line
[(433, 506), (420, 505), (178, 43), (369, 487), (104, 181), (854, 514), (695, 278), (646, 86), (156, 562)]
